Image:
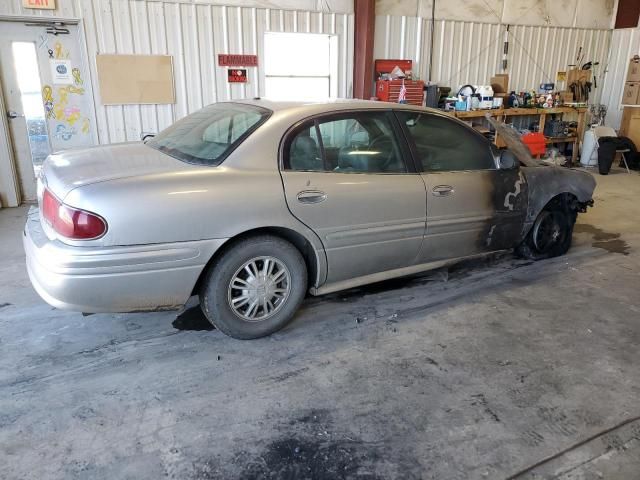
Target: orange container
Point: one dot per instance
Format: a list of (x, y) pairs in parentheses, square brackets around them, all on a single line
[(535, 142)]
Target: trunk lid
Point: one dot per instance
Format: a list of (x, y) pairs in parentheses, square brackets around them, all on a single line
[(67, 170)]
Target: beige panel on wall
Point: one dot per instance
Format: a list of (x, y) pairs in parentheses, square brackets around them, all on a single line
[(399, 7), (484, 11), (540, 12), (135, 79), (553, 13), (595, 13)]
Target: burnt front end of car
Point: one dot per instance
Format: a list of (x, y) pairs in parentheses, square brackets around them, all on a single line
[(547, 183)]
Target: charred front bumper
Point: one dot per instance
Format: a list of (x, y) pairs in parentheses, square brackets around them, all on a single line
[(113, 279)]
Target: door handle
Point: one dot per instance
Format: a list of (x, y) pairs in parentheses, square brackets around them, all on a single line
[(442, 190), (12, 114), (311, 196)]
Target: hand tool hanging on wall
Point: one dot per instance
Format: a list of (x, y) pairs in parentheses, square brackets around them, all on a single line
[(505, 50), (592, 66)]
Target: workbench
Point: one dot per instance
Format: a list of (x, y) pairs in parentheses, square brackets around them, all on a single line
[(503, 113)]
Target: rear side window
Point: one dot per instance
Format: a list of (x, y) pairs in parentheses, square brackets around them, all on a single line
[(442, 144), (358, 142), (207, 136)]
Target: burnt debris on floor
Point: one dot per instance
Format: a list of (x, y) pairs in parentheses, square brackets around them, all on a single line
[(192, 318)]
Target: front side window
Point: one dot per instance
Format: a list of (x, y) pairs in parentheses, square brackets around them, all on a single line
[(207, 136), (362, 142), (442, 144)]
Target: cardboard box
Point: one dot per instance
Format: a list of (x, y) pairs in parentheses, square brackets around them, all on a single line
[(630, 93), (500, 83), (630, 125), (566, 97), (577, 75), (633, 73)]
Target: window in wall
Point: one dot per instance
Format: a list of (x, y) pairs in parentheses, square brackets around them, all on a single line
[(300, 66), (445, 145)]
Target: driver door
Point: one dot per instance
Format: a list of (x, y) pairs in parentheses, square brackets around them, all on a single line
[(346, 177), (472, 206)]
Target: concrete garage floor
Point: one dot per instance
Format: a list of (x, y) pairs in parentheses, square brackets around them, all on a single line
[(472, 374)]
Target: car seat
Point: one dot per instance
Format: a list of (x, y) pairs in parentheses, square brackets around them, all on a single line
[(305, 154), (379, 157)]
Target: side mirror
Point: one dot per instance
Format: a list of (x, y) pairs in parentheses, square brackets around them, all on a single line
[(508, 160)]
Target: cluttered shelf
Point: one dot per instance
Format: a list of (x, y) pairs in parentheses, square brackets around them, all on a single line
[(573, 136), (554, 135)]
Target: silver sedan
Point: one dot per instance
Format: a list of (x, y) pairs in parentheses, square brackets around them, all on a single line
[(252, 204)]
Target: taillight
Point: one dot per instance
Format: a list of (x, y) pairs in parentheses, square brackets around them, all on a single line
[(71, 222)]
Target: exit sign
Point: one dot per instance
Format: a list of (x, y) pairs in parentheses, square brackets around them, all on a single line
[(40, 4)]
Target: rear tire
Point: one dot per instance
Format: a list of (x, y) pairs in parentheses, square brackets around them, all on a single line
[(550, 235), (255, 287)]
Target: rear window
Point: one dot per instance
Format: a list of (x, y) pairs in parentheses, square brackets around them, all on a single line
[(207, 136)]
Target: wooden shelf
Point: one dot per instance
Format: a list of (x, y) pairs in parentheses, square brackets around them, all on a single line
[(520, 111), (474, 114), (570, 139), (499, 112)]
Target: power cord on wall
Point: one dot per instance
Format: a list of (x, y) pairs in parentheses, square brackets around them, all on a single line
[(433, 32)]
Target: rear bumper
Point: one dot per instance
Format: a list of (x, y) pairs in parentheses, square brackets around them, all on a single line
[(113, 279)]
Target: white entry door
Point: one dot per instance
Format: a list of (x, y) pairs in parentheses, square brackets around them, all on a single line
[(47, 100)]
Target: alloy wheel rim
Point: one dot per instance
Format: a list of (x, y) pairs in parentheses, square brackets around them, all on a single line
[(547, 231), (259, 288)]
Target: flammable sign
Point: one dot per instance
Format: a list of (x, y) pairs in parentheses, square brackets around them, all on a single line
[(237, 75)]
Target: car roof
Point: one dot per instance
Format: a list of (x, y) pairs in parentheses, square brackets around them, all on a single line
[(328, 105)]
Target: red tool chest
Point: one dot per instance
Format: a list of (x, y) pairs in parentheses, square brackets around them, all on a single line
[(388, 90)]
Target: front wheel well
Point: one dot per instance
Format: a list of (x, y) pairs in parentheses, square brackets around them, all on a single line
[(569, 201), (562, 201), (296, 239)]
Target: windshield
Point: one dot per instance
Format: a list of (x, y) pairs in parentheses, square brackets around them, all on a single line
[(207, 136)]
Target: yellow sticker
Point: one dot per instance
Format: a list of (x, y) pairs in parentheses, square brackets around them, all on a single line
[(76, 76), (47, 101)]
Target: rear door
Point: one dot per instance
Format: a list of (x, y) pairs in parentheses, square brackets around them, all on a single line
[(348, 177), (472, 206)]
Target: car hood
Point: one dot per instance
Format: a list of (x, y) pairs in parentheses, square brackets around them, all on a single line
[(65, 171), (514, 142)]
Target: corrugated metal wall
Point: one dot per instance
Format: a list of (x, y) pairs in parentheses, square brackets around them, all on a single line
[(469, 52), (194, 34), (625, 43)]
